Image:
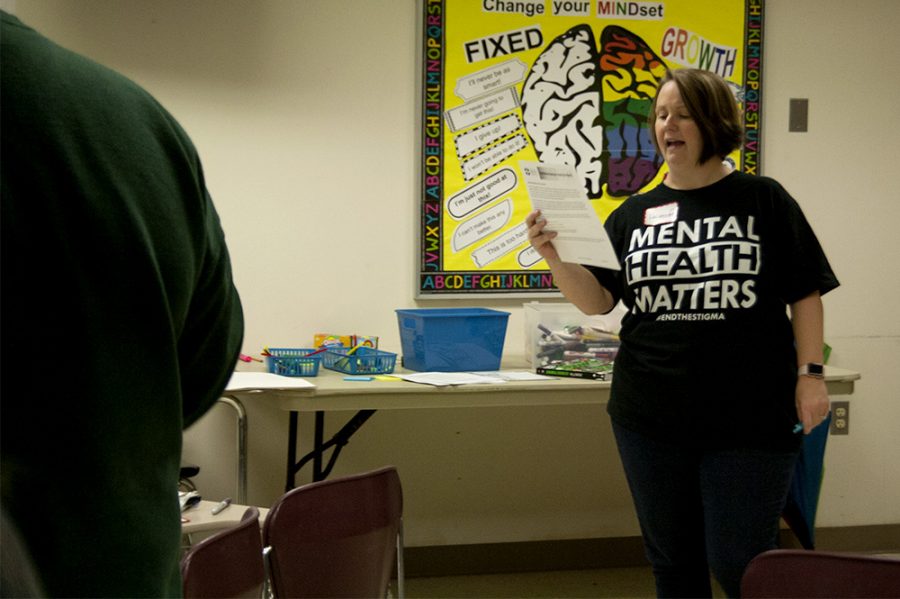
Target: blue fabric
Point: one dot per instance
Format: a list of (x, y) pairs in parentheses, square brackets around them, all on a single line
[(703, 510), (803, 499)]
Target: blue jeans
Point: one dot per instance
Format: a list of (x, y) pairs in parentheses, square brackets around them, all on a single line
[(703, 510)]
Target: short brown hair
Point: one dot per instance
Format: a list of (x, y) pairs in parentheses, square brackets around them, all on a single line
[(711, 104)]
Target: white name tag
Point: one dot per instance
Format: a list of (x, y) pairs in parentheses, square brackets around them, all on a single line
[(667, 213)]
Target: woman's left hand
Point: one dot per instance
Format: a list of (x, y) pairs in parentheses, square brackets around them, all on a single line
[(812, 402)]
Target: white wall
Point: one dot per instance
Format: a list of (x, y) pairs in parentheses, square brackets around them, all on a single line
[(305, 114), (844, 57)]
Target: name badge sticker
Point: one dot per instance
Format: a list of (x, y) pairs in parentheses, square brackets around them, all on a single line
[(661, 215)]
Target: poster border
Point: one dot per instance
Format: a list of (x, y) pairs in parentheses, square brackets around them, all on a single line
[(434, 283)]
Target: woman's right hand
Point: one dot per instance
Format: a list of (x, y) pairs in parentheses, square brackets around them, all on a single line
[(540, 239), (576, 282)]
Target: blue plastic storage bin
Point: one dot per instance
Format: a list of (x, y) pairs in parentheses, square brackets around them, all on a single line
[(364, 360), (292, 361), (452, 339)]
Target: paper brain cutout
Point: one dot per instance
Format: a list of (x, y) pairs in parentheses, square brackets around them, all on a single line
[(589, 109)]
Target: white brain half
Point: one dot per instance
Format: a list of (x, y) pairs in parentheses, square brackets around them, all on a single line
[(561, 106)]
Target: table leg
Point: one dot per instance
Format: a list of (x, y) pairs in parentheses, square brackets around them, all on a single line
[(292, 452), (238, 407), (320, 446)]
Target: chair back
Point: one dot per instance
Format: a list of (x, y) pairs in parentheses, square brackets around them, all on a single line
[(226, 564), (337, 537), (788, 573)]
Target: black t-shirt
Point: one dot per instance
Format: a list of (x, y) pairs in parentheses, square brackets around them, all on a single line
[(707, 353)]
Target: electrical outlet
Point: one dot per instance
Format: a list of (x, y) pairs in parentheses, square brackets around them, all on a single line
[(840, 418)]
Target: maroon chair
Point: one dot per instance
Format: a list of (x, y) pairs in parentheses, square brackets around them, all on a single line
[(226, 564), (786, 573), (337, 537)]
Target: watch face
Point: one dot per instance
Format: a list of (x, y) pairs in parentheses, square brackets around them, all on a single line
[(817, 369)]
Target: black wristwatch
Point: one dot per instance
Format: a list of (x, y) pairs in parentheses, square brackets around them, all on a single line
[(816, 371)]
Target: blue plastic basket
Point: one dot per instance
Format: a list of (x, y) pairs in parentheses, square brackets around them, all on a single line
[(364, 360), (293, 361), (452, 339)]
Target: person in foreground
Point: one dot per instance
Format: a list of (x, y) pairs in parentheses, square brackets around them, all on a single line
[(713, 377), (120, 321)]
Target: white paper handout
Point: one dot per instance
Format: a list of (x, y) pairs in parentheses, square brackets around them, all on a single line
[(514, 375), (558, 192), (443, 379), (248, 381)]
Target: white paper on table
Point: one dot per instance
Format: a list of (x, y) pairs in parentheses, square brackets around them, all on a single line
[(514, 375), (245, 381), (558, 192), (443, 379)]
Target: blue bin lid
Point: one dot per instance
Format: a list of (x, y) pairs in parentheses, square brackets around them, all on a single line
[(444, 312)]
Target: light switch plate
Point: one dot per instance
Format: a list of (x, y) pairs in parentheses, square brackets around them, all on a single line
[(798, 115)]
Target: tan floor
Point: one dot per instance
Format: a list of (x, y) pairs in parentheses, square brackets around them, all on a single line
[(625, 583)]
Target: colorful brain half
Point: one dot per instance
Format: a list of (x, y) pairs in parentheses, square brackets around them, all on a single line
[(631, 73), (589, 108)]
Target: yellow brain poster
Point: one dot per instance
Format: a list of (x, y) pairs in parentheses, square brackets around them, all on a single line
[(567, 81)]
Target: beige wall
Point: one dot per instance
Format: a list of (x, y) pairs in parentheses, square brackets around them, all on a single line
[(305, 114)]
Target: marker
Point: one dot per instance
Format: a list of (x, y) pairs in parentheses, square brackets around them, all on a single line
[(356, 347), (221, 506), (344, 363), (358, 378)]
